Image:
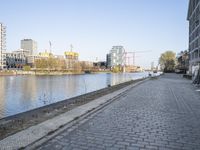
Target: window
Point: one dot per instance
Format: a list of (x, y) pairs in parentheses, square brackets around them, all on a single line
[(196, 54), (199, 53)]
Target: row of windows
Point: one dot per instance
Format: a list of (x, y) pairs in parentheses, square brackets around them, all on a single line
[(16, 60), (194, 34), (194, 20), (194, 45), (15, 55), (194, 4), (195, 54), (194, 24), (15, 66)]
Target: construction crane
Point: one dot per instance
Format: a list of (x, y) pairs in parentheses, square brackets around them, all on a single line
[(50, 46), (125, 57), (131, 55)]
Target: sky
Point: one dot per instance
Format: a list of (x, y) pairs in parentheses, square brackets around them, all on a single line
[(94, 26)]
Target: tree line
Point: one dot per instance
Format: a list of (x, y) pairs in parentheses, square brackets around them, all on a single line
[(56, 64)]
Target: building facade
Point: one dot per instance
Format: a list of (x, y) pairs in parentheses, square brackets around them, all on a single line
[(2, 46), (71, 59), (116, 56), (71, 55), (100, 65), (29, 45), (16, 59), (194, 30), (182, 62), (45, 55), (108, 60), (152, 66)]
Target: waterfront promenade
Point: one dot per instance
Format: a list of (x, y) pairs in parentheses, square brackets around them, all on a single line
[(161, 113)]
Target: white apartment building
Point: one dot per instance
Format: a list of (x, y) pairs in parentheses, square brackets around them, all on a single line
[(16, 59), (2, 46), (116, 56), (194, 33), (29, 45)]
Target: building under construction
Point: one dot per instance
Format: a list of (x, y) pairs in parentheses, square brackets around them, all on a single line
[(45, 54), (71, 55), (71, 59)]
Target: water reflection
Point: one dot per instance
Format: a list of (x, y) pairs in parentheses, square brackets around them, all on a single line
[(2, 97), (22, 93)]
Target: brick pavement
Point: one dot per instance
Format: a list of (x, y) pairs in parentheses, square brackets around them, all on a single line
[(159, 114)]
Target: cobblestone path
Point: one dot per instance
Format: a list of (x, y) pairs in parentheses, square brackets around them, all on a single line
[(159, 114)]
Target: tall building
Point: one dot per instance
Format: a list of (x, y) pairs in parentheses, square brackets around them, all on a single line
[(29, 45), (116, 56), (16, 59), (108, 60), (152, 66), (2, 46), (194, 30)]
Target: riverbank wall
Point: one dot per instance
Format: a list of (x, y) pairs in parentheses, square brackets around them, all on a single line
[(7, 73), (43, 73), (16, 123), (48, 73), (20, 72)]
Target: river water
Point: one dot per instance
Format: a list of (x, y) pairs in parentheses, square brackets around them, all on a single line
[(22, 93)]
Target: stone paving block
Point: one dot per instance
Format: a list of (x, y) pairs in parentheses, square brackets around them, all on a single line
[(133, 148), (151, 147), (119, 146), (123, 143)]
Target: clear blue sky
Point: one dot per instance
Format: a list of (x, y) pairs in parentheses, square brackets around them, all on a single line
[(94, 26)]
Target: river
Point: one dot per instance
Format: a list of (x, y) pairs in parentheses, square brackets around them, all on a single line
[(22, 93)]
